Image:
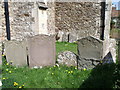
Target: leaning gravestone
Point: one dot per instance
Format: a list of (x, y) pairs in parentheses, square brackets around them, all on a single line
[(90, 51), (16, 52), (41, 50)]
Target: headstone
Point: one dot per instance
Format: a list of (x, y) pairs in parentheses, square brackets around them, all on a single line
[(60, 35), (90, 48), (68, 58), (90, 51), (41, 50), (72, 38), (16, 52), (65, 37)]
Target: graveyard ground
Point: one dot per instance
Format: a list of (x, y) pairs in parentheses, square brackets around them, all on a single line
[(105, 76)]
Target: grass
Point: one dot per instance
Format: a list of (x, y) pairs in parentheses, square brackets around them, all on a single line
[(47, 77), (65, 46), (105, 76)]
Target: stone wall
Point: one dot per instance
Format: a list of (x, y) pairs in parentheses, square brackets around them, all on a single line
[(2, 22), (79, 19), (21, 19), (2, 29), (51, 17), (24, 19)]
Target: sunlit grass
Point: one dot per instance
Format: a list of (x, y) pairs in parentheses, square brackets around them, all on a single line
[(106, 76)]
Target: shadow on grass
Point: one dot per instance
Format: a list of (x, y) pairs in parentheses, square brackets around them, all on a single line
[(103, 76)]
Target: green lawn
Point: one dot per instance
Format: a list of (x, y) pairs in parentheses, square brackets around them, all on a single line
[(64, 46), (106, 76)]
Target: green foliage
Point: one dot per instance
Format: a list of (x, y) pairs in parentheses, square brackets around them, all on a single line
[(112, 22)]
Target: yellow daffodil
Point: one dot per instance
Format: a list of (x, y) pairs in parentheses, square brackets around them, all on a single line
[(84, 69), (71, 71), (6, 69), (7, 63), (15, 84), (3, 78), (75, 68), (20, 87), (10, 71)]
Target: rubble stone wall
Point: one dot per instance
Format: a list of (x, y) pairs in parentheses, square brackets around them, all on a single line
[(24, 19), (79, 19), (2, 22)]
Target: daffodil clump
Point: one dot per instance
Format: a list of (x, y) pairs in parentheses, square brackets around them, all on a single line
[(15, 84), (69, 72)]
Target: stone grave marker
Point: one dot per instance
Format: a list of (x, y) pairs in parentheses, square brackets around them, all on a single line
[(16, 52), (90, 51), (41, 50), (90, 48)]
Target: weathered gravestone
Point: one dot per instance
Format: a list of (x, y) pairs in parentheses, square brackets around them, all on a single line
[(60, 35), (41, 50), (16, 52), (68, 58), (90, 51), (65, 37)]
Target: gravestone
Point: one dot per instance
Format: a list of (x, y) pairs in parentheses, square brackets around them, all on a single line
[(90, 51), (68, 58), (90, 48), (16, 52), (72, 38), (41, 50), (60, 35), (65, 37)]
